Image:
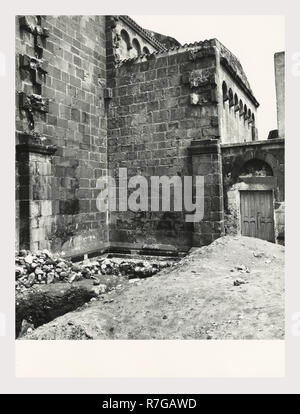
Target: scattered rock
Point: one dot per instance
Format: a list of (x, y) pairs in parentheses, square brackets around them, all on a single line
[(46, 253), (239, 282), (72, 277), (19, 271), (48, 268), (50, 278), (29, 259), (134, 280), (102, 288), (241, 269), (31, 278), (108, 301), (76, 267), (258, 254)]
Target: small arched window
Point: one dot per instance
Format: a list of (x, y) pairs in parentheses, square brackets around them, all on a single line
[(137, 46), (126, 39), (253, 119), (230, 97), (249, 116), (236, 103), (245, 111), (224, 91), (256, 168), (241, 107), (146, 51)]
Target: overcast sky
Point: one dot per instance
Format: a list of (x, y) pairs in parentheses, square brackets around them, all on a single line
[(253, 39)]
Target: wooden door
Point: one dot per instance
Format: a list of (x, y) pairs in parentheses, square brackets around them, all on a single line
[(257, 214)]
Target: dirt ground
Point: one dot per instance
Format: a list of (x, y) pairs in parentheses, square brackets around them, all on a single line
[(232, 289)]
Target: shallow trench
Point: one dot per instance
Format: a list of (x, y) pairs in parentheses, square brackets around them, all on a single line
[(43, 303)]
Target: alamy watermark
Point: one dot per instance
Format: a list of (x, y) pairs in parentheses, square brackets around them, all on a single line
[(155, 193)]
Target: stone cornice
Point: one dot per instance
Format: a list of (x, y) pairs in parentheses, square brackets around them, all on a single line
[(276, 142), (37, 148), (205, 146), (28, 143)]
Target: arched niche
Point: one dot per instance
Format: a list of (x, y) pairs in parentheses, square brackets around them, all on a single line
[(236, 103), (136, 45), (224, 91), (230, 97), (256, 168), (126, 39), (249, 116), (241, 107)]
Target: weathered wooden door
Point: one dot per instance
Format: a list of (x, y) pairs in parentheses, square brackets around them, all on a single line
[(257, 214)]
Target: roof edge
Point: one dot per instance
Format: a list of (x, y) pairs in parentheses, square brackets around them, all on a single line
[(224, 62), (170, 51), (142, 32)]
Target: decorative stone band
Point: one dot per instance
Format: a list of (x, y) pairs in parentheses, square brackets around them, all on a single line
[(205, 146), (31, 63), (29, 143), (33, 102), (37, 148)]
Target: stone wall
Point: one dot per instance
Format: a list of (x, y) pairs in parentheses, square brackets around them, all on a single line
[(158, 106), (60, 83), (238, 114)]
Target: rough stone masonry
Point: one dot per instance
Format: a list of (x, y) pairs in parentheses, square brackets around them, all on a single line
[(99, 93)]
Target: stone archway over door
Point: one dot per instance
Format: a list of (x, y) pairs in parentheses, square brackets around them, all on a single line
[(257, 215)]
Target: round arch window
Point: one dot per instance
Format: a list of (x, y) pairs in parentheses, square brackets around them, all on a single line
[(136, 45), (256, 168)]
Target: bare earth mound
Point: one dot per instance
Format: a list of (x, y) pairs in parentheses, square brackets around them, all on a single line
[(232, 289)]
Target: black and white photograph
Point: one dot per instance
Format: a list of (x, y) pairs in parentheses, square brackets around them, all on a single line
[(150, 158)]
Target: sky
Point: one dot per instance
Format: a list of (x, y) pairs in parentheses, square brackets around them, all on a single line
[(252, 39)]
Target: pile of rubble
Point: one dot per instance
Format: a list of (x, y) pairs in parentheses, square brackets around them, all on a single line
[(45, 268)]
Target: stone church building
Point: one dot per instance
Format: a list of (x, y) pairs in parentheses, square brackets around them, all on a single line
[(99, 93)]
